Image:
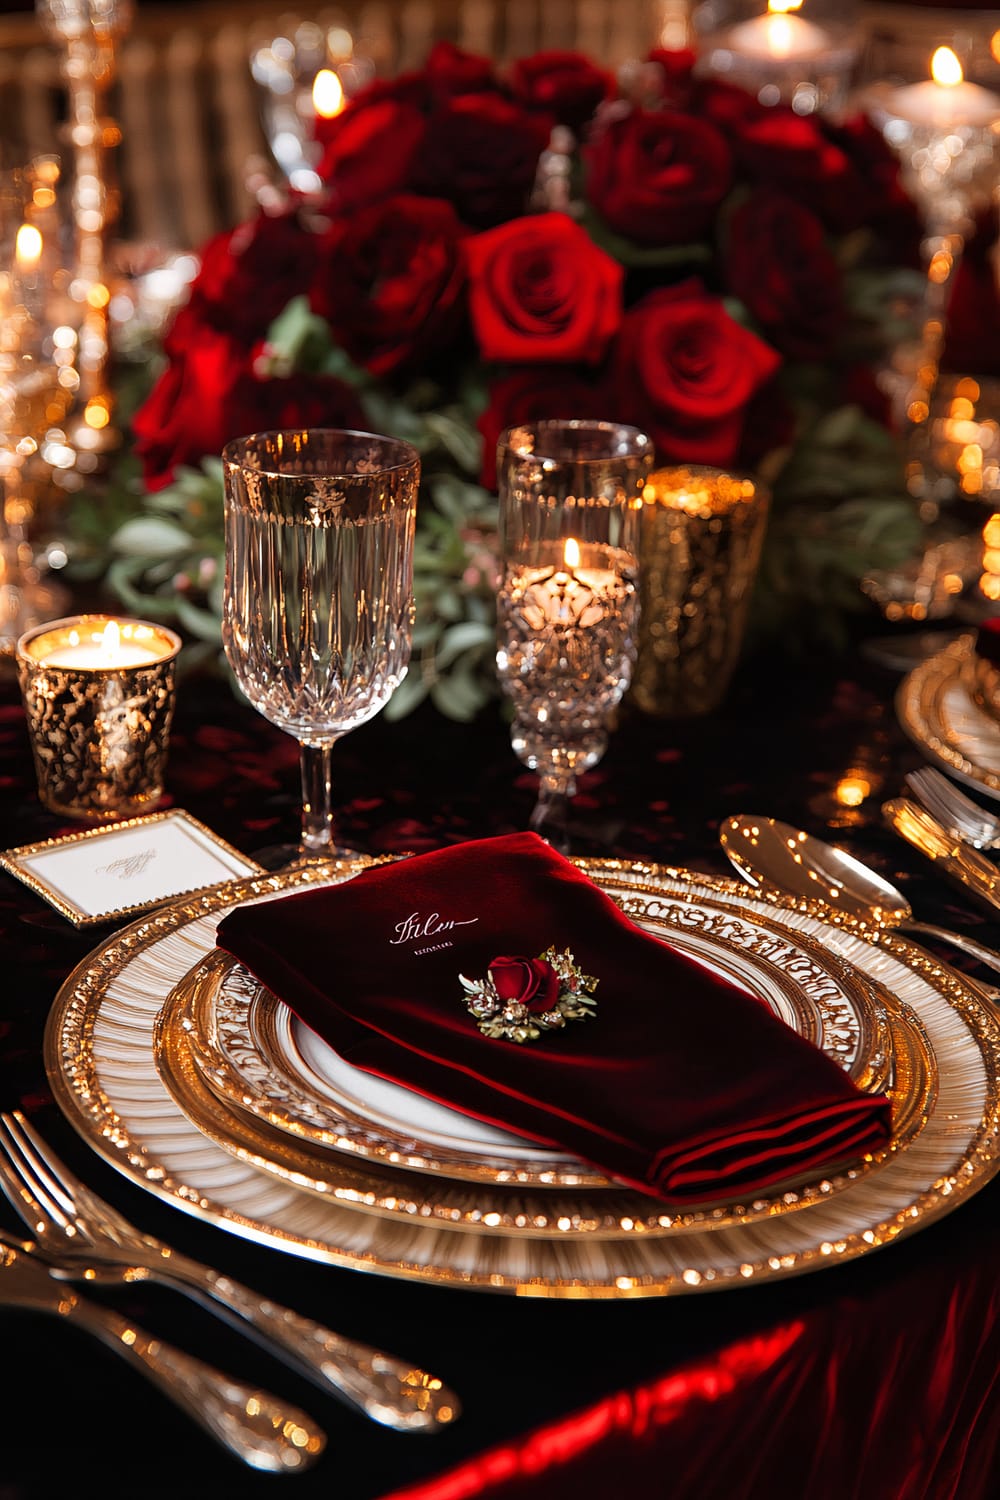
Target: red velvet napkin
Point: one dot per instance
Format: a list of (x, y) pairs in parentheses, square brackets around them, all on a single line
[(678, 1083)]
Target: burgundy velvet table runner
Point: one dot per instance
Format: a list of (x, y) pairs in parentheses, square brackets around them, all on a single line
[(680, 1084)]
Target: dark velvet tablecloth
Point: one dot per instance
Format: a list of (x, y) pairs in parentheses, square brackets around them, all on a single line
[(874, 1379)]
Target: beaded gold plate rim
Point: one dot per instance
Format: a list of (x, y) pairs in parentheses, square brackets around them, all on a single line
[(232, 1043), (543, 1208), (98, 1055), (951, 733)]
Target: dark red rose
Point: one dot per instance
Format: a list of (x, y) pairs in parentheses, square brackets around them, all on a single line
[(675, 67), (411, 89), (390, 280), (540, 289), (778, 264), (726, 105), (877, 198), (451, 72), (481, 153), (563, 85), (526, 981), (534, 395), (781, 149), (684, 371), (210, 394), (371, 151), (972, 327), (657, 177), (250, 273)]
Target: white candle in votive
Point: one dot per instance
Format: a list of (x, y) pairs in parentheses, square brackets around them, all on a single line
[(778, 36), (944, 100), (117, 643)]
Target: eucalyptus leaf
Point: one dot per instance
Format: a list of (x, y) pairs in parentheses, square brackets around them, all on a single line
[(459, 638), (151, 537), (411, 692)]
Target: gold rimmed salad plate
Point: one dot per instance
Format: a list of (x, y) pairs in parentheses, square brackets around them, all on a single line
[(99, 1057), (260, 1060), (937, 707), (562, 1202)]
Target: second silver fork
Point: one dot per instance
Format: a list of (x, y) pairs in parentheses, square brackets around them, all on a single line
[(92, 1241), (953, 809)]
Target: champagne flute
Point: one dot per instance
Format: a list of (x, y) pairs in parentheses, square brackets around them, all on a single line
[(567, 611), (318, 597)]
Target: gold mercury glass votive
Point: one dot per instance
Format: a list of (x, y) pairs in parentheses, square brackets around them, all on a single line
[(98, 692), (700, 536)]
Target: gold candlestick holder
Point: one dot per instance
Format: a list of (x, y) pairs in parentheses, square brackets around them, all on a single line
[(88, 32), (700, 536)]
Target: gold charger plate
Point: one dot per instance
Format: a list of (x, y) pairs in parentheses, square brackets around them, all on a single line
[(552, 1202), (98, 1054), (254, 1055), (936, 706)]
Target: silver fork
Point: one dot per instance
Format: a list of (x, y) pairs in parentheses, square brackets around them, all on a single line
[(954, 810), (90, 1240), (251, 1424)]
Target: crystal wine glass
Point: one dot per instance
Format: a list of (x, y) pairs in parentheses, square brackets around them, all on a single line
[(567, 611), (318, 599)]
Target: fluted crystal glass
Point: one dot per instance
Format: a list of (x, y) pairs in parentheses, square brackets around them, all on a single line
[(318, 598), (567, 609)]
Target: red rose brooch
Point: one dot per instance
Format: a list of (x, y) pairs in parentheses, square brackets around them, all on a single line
[(522, 997)]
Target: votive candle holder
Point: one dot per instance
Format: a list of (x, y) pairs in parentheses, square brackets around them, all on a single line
[(99, 694)]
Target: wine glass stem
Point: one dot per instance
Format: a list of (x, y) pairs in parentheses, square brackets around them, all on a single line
[(317, 810), (551, 812)]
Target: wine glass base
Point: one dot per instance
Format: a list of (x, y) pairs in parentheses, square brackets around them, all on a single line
[(276, 857)]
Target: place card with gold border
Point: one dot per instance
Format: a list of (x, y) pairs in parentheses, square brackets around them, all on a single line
[(106, 874)]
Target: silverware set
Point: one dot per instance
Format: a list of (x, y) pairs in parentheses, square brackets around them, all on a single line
[(78, 1237)]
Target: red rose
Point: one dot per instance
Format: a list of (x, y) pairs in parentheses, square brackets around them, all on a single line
[(675, 67), (481, 153), (410, 89), (540, 289), (535, 395), (563, 85), (250, 273), (685, 371), (371, 151), (727, 106), (525, 981), (877, 197), (658, 177), (209, 394), (781, 149), (451, 71), (390, 280), (779, 265), (972, 328)]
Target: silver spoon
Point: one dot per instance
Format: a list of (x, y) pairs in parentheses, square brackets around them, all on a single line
[(769, 853)]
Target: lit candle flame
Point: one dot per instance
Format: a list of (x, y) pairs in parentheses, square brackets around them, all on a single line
[(327, 94), (111, 642), (571, 554), (946, 68), (782, 7), (28, 247)]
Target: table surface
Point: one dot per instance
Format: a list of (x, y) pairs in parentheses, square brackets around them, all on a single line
[(876, 1378)]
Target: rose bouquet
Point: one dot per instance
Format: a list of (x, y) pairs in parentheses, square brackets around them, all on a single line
[(551, 241)]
